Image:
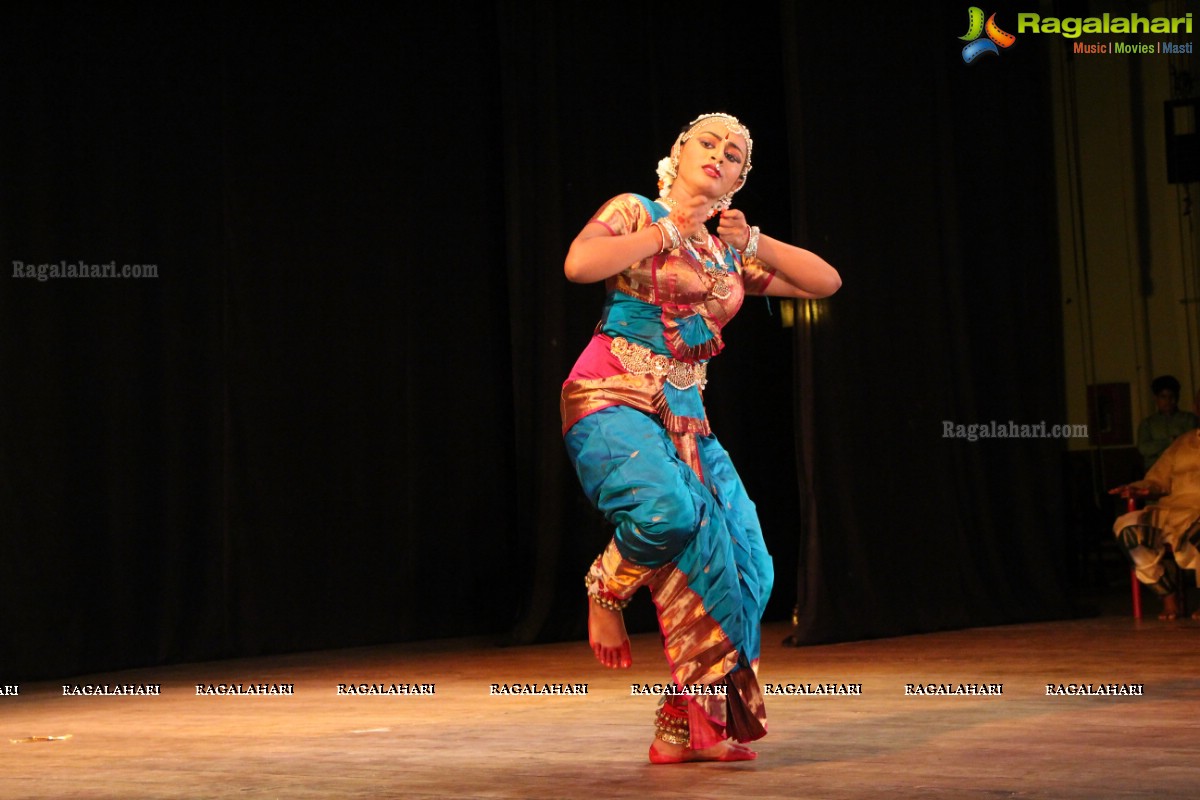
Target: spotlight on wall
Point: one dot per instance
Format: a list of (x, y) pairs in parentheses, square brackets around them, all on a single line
[(809, 312)]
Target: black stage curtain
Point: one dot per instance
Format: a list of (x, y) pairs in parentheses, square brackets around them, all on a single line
[(939, 207), (331, 419)]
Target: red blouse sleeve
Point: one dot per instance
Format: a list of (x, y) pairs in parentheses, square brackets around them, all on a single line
[(623, 214), (756, 276)]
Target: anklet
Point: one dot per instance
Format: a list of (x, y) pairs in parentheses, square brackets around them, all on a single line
[(670, 728), (594, 582)]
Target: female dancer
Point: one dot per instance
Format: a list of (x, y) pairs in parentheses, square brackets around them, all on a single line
[(637, 433)]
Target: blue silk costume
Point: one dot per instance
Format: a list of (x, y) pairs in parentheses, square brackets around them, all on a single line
[(637, 433)]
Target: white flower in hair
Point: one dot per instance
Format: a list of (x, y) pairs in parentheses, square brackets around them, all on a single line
[(666, 176)]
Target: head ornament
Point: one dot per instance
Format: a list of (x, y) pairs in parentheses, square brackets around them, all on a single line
[(668, 168)]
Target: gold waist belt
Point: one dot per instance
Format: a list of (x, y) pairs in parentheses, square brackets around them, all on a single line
[(639, 360)]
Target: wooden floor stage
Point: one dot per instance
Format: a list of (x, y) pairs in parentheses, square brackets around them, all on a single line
[(462, 741)]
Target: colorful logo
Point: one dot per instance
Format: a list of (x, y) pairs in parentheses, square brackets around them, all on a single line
[(976, 27)]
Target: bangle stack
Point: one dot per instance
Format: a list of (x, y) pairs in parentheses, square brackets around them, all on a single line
[(751, 243), (671, 238)]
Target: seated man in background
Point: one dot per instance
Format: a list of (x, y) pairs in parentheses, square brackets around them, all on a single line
[(1158, 430), (1174, 521)]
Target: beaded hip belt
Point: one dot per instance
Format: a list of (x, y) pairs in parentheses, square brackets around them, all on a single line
[(640, 360)]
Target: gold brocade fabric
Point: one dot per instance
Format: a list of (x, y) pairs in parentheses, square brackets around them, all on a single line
[(585, 396), (655, 279), (685, 319), (756, 275), (747, 712), (678, 282), (689, 453), (617, 575), (697, 649), (700, 653)]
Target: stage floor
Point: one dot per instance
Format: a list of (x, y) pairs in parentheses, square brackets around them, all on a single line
[(463, 741)]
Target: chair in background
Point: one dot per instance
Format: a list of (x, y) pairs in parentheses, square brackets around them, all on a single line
[(1131, 504)]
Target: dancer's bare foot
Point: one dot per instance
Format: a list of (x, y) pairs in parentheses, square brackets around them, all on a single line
[(607, 636), (727, 750), (1170, 607)]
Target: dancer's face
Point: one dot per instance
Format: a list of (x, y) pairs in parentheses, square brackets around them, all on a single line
[(712, 158)]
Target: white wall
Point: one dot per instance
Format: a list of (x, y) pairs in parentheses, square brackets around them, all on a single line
[(1112, 331)]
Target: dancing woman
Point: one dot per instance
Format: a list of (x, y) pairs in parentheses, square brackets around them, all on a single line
[(637, 433)]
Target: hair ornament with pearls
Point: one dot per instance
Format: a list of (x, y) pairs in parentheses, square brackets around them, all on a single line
[(668, 168)]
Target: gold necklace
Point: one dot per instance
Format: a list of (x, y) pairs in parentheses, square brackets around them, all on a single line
[(721, 288)]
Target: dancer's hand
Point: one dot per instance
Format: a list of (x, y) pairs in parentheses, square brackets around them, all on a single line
[(689, 216), (733, 229)]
